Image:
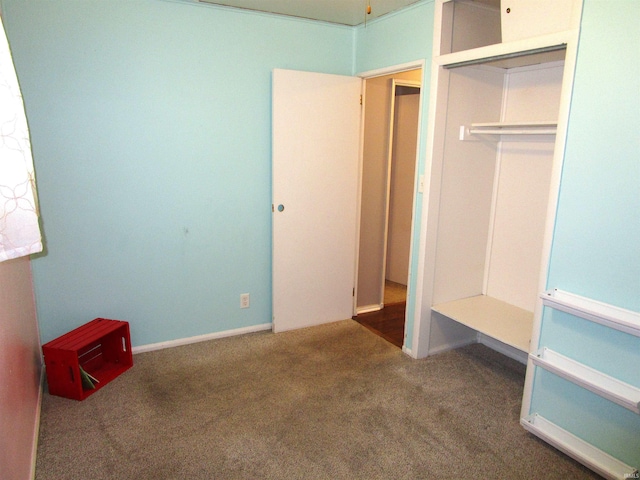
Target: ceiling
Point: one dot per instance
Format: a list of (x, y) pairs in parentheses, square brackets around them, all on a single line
[(346, 12)]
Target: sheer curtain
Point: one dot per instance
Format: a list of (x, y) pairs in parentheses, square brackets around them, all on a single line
[(19, 229)]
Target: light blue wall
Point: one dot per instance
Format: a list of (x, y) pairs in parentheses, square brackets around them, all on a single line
[(403, 37), (151, 132), (400, 37), (151, 127), (596, 244)]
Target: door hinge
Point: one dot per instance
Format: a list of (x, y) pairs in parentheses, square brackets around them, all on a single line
[(272, 209), (360, 99), (353, 292)]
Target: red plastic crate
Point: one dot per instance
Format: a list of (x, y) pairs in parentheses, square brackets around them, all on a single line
[(102, 347)]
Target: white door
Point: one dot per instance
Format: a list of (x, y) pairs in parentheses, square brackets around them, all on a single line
[(316, 142)]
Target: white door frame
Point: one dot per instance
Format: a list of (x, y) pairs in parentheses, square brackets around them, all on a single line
[(412, 277), (395, 83)]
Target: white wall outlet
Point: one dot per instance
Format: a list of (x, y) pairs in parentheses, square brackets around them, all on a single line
[(244, 300)]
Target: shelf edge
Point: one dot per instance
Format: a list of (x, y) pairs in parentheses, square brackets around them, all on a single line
[(610, 316), (601, 384), (597, 460), (498, 51)]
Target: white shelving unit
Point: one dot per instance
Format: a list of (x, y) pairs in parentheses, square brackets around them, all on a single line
[(496, 110), (585, 453), (499, 108), (497, 319), (593, 380), (598, 312)]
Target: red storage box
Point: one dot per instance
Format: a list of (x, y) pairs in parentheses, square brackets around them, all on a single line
[(101, 348)]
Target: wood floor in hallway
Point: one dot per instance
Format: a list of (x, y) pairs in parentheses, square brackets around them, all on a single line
[(387, 323)]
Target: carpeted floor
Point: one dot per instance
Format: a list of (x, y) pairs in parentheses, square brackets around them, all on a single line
[(329, 402)]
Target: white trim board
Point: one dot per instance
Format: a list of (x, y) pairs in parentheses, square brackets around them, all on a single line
[(407, 351), (614, 390), (605, 314), (200, 338), (451, 346), (36, 429), (581, 451), (402, 67), (375, 307)]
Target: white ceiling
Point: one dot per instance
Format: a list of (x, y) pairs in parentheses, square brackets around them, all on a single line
[(346, 12)]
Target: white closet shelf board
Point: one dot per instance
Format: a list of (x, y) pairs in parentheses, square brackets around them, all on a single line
[(585, 453), (593, 380), (532, 51), (497, 319), (608, 315)]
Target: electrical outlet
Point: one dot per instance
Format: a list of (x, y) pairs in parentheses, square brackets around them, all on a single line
[(244, 300)]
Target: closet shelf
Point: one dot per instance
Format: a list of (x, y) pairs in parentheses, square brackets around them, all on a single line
[(518, 53), (509, 128), (507, 323), (604, 314), (593, 380), (585, 453)]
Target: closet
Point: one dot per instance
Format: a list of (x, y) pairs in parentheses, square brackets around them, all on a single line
[(501, 80)]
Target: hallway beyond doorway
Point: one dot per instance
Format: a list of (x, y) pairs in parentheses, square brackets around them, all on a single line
[(388, 323)]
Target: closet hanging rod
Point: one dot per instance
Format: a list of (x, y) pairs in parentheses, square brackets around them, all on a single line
[(512, 131), (539, 123), (538, 128)]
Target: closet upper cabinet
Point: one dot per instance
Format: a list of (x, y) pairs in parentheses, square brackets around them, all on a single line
[(532, 18), (469, 24)]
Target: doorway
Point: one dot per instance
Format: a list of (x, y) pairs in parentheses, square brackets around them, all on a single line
[(392, 104)]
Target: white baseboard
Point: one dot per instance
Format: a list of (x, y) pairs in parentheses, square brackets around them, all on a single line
[(451, 346), (503, 348), (369, 308), (200, 338), (408, 351)]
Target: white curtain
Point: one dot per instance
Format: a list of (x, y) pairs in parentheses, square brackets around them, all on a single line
[(19, 229)]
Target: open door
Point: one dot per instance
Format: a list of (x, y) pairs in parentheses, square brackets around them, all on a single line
[(316, 145)]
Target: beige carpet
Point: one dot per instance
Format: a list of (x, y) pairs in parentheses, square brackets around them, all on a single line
[(329, 402)]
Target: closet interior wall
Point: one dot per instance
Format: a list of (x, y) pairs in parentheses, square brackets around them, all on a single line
[(494, 191)]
